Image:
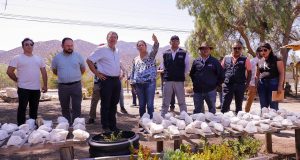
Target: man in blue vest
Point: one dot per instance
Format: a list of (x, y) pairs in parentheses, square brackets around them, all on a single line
[(175, 66), (237, 70), (206, 74)]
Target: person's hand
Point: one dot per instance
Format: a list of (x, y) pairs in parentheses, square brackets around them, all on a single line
[(44, 89), (154, 38), (279, 89), (160, 71), (101, 76)]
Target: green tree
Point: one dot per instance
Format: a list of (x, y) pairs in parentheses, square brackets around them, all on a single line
[(52, 78), (4, 79), (253, 21)]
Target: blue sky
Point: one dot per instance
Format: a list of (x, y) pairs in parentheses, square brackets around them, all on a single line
[(149, 13)]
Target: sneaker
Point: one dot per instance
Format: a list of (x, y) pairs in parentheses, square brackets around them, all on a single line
[(90, 121), (142, 130), (123, 110)]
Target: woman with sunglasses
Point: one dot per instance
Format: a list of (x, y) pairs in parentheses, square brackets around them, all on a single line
[(270, 74), (143, 76)]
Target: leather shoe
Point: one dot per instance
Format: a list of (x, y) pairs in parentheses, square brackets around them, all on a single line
[(123, 110)]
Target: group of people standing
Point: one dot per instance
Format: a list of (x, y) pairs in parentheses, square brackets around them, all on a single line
[(234, 74)]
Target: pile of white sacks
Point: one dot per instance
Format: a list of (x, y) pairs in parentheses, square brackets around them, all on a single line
[(257, 119), (44, 133)]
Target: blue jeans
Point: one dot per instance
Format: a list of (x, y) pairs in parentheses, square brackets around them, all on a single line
[(265, 88), (145, 93), (210, 99)]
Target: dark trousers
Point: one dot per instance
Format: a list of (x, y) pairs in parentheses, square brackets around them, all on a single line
[(209, 98), (230, 90), (70, 93), (110, 95), (26, 96), (133, 93)]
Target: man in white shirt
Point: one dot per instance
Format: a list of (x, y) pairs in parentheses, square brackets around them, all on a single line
[(28, 68), (107, 59)]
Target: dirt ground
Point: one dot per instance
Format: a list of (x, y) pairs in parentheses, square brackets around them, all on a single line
[(283, 142)]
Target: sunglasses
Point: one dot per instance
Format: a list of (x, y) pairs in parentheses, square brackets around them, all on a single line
[(204, 48), (263, 50), (28, 44), (237, 48)]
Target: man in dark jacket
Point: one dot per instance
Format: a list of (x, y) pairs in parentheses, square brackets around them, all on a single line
[(237, 69), (176, 66), (206, 74)]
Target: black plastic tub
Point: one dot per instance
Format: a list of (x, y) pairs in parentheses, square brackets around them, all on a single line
[(100, 148)]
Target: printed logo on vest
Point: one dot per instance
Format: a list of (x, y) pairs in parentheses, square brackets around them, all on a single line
[(180, 56)]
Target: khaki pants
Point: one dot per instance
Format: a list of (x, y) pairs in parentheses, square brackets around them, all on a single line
[(178, 89), (251, 95), (94, 101)]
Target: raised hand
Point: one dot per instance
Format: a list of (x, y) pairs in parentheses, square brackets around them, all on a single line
[(154, 38)]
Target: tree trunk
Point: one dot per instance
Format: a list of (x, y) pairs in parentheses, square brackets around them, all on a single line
[(245, 37)]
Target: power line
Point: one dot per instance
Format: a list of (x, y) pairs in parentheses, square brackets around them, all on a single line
[(5, 5), (90, 9), (87, 23)]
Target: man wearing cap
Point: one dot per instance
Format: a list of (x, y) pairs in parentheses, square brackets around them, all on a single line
[(175, 66), (206, 75), (236, 67)]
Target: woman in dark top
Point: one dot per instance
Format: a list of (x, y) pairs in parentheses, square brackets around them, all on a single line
[(270, 74)]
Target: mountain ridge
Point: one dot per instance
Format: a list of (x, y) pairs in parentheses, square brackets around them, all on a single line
[(46, 49)]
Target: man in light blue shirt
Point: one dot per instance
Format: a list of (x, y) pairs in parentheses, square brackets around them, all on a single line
[(69, 67)]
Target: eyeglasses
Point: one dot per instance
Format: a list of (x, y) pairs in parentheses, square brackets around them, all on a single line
[(28, 44), (237, 48), (263, 50)]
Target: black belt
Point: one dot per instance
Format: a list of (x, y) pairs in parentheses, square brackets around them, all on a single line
[(112, 77), (70, 83)]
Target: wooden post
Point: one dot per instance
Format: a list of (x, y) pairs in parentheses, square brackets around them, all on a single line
[(66, 153), (177, 143), (297, 143), (160, 146), (268, 137)]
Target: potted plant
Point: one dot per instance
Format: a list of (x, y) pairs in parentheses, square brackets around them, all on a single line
[(113, 143)]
